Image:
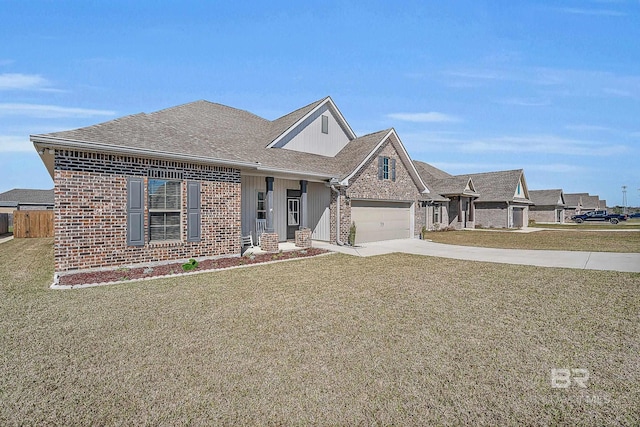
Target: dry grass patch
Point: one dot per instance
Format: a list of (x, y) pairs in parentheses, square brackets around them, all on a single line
[(337, 340), (596, 241)]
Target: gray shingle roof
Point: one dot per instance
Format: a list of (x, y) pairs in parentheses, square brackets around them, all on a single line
[(591, 202), (497, 186), (573, 199), (546, 197), (215, 131), (28, 196)]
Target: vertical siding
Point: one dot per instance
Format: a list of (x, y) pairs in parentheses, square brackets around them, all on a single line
[(310, 139), (318, 199)]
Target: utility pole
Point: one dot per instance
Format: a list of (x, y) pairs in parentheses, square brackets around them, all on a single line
[(624, 199)]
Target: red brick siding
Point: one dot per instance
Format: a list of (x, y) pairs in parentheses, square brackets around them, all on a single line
[(91, 221)]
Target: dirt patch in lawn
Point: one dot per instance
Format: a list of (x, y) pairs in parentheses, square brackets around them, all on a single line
[(125, 274)]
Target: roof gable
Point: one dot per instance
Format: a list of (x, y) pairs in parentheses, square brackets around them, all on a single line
[(553, 197), (368, 146), (501, 186), (288, 128), (320, 132)]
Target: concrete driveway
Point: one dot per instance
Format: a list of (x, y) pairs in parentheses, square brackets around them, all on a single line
[(627, 262)]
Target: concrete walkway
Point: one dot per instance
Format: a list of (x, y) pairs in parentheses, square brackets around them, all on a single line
[(627, 262)]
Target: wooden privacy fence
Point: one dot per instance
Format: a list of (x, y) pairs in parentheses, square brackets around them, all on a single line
[(32, 224)]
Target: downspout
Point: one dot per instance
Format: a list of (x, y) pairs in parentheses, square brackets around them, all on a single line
[(338, 241)]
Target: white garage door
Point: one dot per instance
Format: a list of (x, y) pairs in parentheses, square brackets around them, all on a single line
[(381, 220)]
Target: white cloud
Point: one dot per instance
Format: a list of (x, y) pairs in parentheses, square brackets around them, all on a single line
[(546, 144), (431, 117), (50, 111), (556, 168), (15, 144), (592, 12), (9, 81), (589, 128), (525, 102)]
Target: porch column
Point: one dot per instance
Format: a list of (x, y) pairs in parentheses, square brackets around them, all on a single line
[(472, 209), (460, 209), (269, 205), (304, 223)]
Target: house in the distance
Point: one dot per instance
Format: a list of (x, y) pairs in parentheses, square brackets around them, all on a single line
[(22, 199), (578, 203), (192, 180), (452, 198), (548, 206), (504, 199)]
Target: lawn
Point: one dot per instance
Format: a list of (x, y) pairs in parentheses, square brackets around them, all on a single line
[(333, 340), (574, 240), (631, 224)]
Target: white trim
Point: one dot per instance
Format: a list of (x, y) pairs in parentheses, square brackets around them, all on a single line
[(345, 181), (328, 99)]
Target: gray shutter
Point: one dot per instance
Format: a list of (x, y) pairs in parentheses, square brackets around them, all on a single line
[(135, 211), (194, 233), (393, 169), (380, 167)]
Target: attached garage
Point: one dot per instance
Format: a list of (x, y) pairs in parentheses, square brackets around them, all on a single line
[(381, 220)]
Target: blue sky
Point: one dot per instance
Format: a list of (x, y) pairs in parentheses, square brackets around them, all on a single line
[(470, 86)]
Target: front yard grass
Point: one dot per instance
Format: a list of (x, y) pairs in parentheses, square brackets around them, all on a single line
[(590, 241), (335, 340)]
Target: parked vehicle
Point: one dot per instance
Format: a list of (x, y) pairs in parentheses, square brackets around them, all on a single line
[(635, 215), (599, 216)]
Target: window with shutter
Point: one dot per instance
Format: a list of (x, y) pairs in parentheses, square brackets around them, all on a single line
[(194, 233), (135, 212)]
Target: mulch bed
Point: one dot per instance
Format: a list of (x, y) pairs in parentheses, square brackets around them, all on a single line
[(121, 274)]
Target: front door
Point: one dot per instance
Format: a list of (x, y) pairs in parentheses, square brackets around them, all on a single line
[(293, 213)]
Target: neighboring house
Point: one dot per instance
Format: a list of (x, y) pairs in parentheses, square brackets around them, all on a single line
[(548, 206), (451, 200), (578, 203), (189, 181), (590, 203), (21, 199), (574, 204), (602, 205), (504, 199)]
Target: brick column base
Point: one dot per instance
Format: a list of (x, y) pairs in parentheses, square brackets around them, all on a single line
[(303, 238), (269, 242)]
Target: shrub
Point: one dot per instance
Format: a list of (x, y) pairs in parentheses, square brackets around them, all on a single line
[(191, 265), (352, 234)]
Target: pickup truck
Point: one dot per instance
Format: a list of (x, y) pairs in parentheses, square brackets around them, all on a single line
[(599, 216)]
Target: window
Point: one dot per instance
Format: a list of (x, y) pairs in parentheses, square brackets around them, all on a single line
[(164, 210), (386, 168), (261, 212), (293, 211), (325, 124), (436, 214)]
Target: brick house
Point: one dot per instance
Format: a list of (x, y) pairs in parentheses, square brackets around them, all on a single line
[(548, 206), (190, 181), (504, 199), (451, 202)]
